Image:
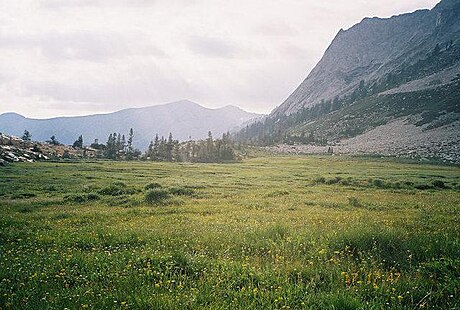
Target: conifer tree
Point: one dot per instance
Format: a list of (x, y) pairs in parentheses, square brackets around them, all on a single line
[(78, 143), (26, 136)]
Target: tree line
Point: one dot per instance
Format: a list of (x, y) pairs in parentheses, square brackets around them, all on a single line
[(209, 150), (120, 147), (117, 147)]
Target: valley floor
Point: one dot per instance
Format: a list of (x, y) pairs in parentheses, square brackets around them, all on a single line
[(267, 233)]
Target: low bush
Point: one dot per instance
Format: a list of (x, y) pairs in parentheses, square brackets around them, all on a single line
[(378, 183), (81, 198), (77, 198), (116, 189), (152, 185), (92, 196), (439, 184), (181, 191), (334, 180), (354, 202), (23, 195), (423, 186), (319, 180), (156, 195)]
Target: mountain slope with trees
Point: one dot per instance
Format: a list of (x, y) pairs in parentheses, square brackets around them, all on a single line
[(380, 70)]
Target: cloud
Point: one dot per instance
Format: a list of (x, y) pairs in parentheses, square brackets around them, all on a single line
[(84, 45), (82, 56), (59, 4), (276, 28), (212, 47), (134, 85), (294, 51)]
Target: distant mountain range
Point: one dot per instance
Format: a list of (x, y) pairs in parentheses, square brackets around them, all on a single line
[(184, 119), (390, 84)]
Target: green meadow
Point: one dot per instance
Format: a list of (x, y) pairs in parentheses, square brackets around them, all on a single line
[(265, 233)]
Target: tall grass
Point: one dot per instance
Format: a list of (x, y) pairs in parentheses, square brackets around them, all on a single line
[(260, 234)]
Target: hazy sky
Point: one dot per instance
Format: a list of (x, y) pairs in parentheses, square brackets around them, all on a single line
[(74, 57)]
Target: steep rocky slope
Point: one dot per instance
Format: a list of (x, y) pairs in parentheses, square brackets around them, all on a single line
[(378, 50), (375, 76)]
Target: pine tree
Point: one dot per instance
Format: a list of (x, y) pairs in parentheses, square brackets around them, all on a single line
[(78, 143), (110, 151), (26, 136), (149, 154), (156, 148), (169, 148), (209, 155), (123, 144), (129, 145), (53, 140)]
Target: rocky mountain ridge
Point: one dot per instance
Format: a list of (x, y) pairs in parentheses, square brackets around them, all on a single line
[(376, 48), (387, 86)]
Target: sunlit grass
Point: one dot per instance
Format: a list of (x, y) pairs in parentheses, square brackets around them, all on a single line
[(269, 232)]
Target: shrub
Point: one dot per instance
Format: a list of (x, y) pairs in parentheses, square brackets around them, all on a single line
[(23, 195), (92, 196), (423, 186), (181, 191), (75, 198), (116, 189), (50, 188), (354, 202), (156, 195), (319, 180), (81, 198), (378, 183), (334, 180), (439, 184), (152, 185), (119, 184)]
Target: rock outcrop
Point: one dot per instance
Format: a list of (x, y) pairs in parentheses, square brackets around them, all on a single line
[(14, 149)]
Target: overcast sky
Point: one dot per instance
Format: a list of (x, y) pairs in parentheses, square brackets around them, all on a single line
[(76, 57)]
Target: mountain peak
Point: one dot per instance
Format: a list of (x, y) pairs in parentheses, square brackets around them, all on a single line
[(182, 118), (372, 50), (447, 4), (185, 102), (231, 107), (11, 115)]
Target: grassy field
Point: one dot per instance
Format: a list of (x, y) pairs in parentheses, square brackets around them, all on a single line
[(266, 233)]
